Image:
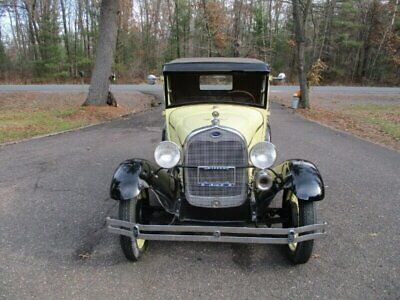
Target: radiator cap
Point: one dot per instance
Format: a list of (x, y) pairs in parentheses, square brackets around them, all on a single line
[(215, 120)]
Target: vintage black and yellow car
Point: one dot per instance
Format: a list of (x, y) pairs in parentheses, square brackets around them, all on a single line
[(215, 175)]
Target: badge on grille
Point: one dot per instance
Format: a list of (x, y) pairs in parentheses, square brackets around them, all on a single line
[(216, 134)]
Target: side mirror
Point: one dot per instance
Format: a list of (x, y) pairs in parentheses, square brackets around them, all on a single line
[(281, 76), (151, 79)]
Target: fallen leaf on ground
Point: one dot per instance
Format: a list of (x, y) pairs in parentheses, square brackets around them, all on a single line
[(84, 255)]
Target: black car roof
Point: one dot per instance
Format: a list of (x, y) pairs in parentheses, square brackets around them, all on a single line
[(215, 64)]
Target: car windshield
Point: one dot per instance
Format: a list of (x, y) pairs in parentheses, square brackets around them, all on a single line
[(234, 87)]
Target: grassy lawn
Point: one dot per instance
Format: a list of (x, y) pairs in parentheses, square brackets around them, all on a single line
[(379, 123), (28, 114), (385, 117), (370, 116), (16, 125)]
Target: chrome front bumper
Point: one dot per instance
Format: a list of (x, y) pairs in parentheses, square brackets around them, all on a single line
[(216, 233)]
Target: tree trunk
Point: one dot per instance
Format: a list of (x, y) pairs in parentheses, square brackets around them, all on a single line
[(88, 27), (300, 14), (388, 29), (208, 29), (368, 42), (178, 46), (271, 38), (66, 38), (237, 8), (99, 84), (31, 29), (80, 25), (325, 41)]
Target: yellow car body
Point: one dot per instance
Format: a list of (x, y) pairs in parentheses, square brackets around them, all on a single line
[(251, 122), (215, 174)]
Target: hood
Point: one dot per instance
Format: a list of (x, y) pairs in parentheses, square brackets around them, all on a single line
[(183, 120)]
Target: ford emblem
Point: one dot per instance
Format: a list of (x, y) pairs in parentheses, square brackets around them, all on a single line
[(215, 134)]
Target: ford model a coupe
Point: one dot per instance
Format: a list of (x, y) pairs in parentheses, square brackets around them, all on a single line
[(215, 174)]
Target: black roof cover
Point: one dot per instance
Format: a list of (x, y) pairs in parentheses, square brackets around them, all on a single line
[(215, 64)]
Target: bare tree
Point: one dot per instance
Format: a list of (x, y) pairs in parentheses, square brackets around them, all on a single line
[(54, 40), (66, 33), (99, 84), (387, 31), (237, 10), (301, 9)]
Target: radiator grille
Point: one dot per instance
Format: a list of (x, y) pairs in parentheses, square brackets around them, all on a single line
[(215, 180)]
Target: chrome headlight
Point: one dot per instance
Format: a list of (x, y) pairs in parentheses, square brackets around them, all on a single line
[(263, 155), (167, 154)]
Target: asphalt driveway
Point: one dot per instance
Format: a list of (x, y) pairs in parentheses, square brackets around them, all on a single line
[(54, 199)]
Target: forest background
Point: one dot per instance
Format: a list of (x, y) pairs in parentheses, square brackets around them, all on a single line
[(358, 42)]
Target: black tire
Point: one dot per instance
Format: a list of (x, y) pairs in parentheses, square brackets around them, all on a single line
[(301, 252), (132, 249)]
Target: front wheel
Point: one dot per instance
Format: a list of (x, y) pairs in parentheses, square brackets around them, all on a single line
[(299, 213), (128, 211)]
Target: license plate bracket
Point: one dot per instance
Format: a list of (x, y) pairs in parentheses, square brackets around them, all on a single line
[(216, 176)]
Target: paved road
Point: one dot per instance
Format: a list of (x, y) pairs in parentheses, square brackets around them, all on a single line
[(150, 88), (54, 198)]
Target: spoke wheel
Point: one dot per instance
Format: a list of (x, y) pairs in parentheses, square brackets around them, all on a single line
[(133, 248), (300, 213)]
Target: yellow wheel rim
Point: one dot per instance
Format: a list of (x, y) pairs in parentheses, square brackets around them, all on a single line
[(294, 206), (140, 243)]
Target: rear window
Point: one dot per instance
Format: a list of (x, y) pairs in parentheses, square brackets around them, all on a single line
[(216, 82)]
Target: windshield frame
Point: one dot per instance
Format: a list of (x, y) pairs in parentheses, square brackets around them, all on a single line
[(263, 92)]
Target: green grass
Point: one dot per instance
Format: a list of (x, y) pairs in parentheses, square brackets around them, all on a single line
[(66, 112), (385, 117), (21, 124)]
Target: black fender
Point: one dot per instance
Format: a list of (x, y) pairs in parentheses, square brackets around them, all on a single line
[(303, 178), (134, 175), (300, 176)]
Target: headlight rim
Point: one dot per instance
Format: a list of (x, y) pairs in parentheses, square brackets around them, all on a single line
[(170, 143), (255, 163)]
